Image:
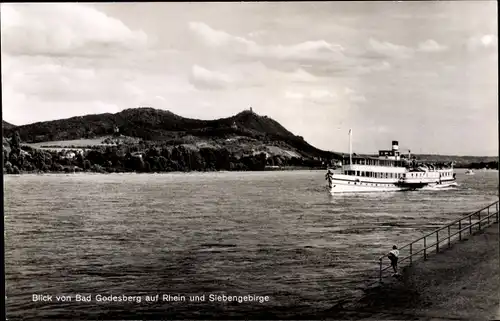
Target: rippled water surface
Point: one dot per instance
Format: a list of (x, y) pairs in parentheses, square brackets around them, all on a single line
[(278, 234)]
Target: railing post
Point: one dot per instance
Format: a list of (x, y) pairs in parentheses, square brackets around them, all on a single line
[(380, 272), (437, 242), (460, 230), (498, 215), (448, 236), (425, 249), (411, 253)]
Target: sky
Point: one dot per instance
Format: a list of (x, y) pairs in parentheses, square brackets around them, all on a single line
[(423, 73)]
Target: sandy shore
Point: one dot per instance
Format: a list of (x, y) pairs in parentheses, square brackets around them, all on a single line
[(460, 283)]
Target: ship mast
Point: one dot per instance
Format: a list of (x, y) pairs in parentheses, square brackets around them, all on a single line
[(350, 146)]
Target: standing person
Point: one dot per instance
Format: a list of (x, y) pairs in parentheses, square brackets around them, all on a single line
[(328, 177), (393, 256)]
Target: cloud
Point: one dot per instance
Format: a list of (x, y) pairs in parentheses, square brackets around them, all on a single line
[(37, 83), (318, 50), (257, 73), (203, 78), (22, 107), (216, 38), (64, 29), (258, 33), (483, 41), (373, 67), (431, 46), (316, 96), (353, 96), (387, 49), (299, 75), (323, 96), (294, 95), (248, 75)]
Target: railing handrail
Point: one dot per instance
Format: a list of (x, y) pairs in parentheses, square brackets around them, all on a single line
[(445, 226)]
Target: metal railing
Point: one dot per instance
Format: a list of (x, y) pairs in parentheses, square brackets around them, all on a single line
[(443, 236)]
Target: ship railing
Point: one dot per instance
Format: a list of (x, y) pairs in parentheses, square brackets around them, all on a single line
[(443, 237)]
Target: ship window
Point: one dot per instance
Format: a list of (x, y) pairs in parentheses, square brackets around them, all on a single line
[(357, 173)]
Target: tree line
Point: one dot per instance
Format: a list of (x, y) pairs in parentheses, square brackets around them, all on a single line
[(17, 159), (481, 165)]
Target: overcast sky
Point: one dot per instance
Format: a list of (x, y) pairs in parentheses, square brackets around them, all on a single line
[(423, 73)]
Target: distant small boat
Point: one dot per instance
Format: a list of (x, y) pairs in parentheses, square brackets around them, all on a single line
[(469, 172)]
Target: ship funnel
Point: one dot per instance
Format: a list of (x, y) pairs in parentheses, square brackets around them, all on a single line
[(395, 145)]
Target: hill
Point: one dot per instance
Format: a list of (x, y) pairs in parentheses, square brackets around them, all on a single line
[(151, 140), (6, 125), (163, 126)]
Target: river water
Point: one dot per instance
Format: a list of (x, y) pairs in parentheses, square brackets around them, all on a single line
[(277, 234)]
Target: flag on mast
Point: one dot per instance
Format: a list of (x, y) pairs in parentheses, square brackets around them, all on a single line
[(350, 130)]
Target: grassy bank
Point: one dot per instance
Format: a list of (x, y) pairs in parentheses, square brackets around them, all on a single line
[(462, 282)]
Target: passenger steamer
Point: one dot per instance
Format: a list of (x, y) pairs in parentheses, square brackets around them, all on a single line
[(389, 172)]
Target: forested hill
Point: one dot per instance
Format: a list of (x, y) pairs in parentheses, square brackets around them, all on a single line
[(7, 126), (151, 124)]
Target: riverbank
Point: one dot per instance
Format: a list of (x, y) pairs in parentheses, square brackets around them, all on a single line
[(291, 168), (461, 283)]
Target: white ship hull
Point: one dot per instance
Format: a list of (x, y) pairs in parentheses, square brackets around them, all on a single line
[(353, 184), (344, 187)]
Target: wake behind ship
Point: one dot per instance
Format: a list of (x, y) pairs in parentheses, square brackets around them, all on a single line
[(389, 172)]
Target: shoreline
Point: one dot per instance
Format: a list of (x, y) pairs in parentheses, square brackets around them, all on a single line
[(283, 169), (171, 172)]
